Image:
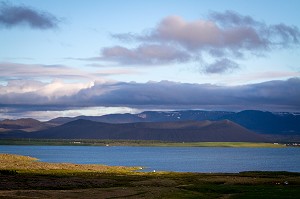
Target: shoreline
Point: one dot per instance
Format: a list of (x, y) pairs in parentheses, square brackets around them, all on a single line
[(141, 143), (23, 176)]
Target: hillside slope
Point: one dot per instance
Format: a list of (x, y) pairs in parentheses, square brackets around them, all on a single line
[(187, 131), (258, 121), (24, 124)]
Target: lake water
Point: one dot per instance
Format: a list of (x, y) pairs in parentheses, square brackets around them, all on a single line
[(181, 159)]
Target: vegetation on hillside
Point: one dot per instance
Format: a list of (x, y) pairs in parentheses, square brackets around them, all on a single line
[(28, 178), (96, 142)]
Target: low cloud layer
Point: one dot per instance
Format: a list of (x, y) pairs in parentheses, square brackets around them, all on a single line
[(11, 71), (16, 70), (272, 95), (223, 37), (13, 16)]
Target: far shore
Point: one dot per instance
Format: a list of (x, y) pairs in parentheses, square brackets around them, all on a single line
[(146, 143)]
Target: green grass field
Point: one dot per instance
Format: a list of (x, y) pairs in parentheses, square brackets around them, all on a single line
[(91, 142), (26, 177)]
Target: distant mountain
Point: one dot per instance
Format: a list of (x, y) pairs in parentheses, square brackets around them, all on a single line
[(274, 126), (183, 131), (258, 121), (267, 122), (262, 122), (111, 118), (25, 124), (148, 116), (187, 115), (61, 120)]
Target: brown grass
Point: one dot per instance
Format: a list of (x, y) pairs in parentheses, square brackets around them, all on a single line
[(26, 163), (26, 177)]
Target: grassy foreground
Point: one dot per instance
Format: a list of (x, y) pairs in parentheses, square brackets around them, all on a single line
[(25, 177), (96, 142)]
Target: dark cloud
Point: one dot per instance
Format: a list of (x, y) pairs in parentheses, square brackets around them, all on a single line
[(223, 36), (285, 35), (272, 96), (221, 66), (231, 18), (11, 16)]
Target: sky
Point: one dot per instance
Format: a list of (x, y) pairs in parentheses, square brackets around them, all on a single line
[(73, 57)]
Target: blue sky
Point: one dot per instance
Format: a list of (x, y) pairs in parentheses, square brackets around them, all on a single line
[(71, 57)]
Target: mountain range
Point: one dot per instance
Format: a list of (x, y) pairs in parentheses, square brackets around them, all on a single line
[(182, 131), (188, 125), (258, 121)]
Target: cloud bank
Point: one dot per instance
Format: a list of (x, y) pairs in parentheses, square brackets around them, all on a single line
[(13, 16), (272, 95), (221, 37)]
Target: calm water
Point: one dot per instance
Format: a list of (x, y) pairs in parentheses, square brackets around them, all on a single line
[(183, 159)]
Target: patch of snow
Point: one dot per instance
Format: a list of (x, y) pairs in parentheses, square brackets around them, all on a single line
[(144, 116)]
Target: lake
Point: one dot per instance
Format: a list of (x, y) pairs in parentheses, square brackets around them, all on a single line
[(180, 159)]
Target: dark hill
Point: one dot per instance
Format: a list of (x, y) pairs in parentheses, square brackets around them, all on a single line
[(267, 122), (25, 124), (19, 123), (187, 131), (61, 120), (111, 118), (275, 126), (185, 115), (258, 121)]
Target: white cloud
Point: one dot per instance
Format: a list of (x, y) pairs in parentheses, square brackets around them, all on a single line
[(53, 89), (59, 88), (45, 115)]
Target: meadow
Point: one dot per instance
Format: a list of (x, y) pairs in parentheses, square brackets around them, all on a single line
[(96, 142), (26, 177)]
